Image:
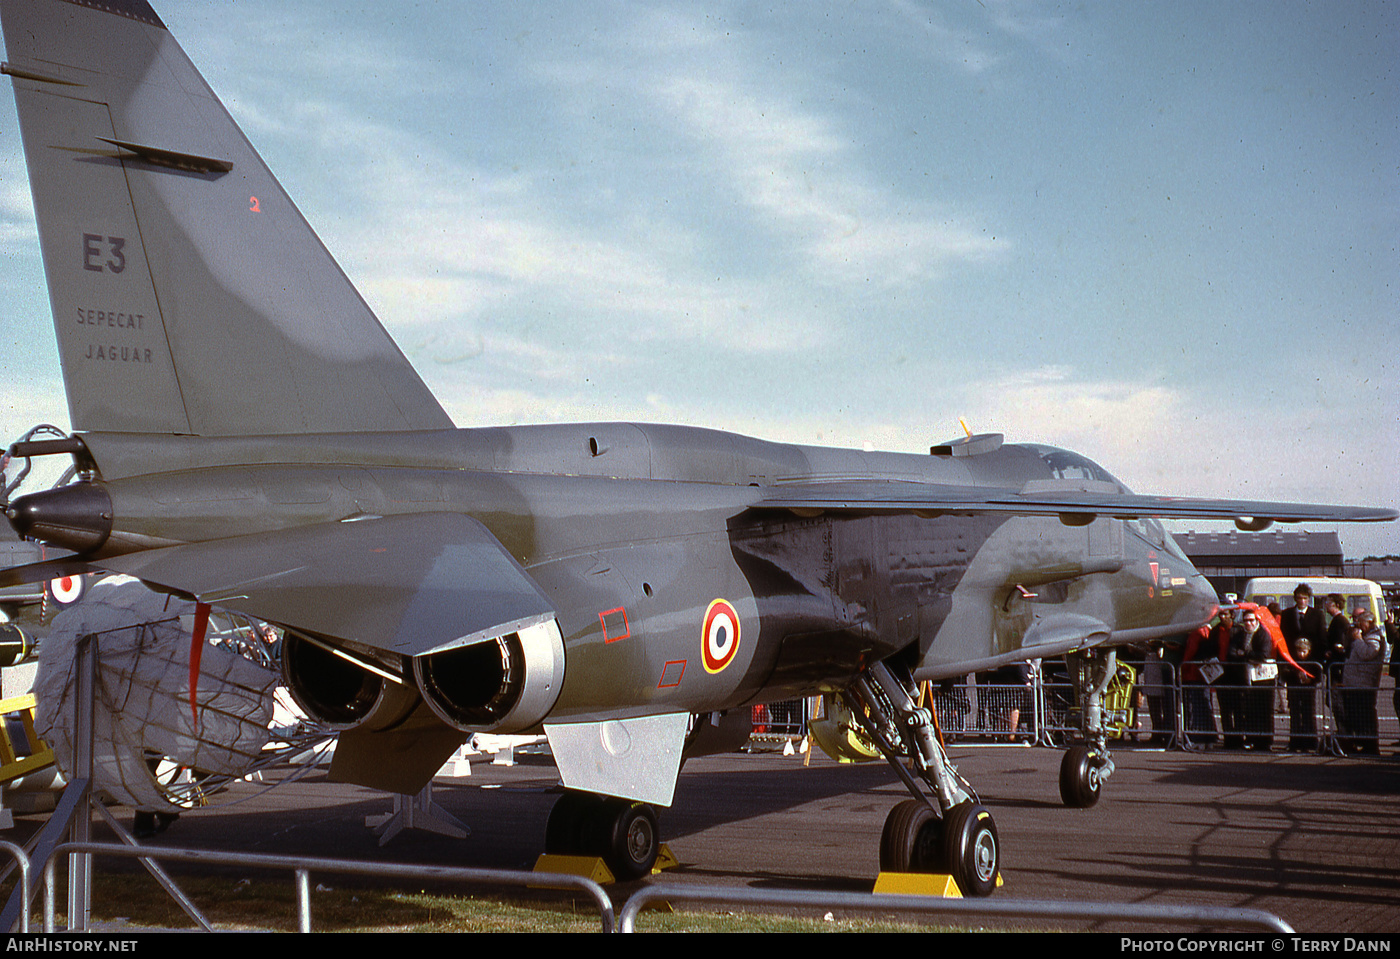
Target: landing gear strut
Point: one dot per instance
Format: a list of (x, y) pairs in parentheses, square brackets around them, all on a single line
[(1087, 765), (943, 828), (621, 832)]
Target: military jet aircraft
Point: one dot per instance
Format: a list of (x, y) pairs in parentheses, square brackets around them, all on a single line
[(248, 435)]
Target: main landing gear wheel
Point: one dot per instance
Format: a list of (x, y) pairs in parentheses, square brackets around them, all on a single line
[(912, 840), (972, 851), (622, 833), (631, 840), (1079, 778), (565, 834)]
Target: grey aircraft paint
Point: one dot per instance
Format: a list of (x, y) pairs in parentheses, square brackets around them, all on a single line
[(249, 435)]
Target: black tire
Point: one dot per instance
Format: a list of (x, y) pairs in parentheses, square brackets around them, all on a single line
[(566, 832), (912, 840), (631, 838), (972, 850), (1079, 778)]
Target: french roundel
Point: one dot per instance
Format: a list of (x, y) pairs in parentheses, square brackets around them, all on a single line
[(66, 590), (720, 637)]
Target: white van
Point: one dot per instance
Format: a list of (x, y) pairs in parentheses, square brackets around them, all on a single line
[(1358, 592)]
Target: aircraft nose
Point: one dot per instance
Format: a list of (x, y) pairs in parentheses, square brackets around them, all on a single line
[(1201, 599)]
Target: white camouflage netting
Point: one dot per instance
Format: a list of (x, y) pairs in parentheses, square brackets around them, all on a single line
[(144, 730)]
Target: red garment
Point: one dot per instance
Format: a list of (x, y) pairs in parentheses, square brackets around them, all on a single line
[(1200, 642), (1266, 619)]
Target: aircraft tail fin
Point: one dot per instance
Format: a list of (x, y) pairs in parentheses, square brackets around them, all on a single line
[(189, 294)]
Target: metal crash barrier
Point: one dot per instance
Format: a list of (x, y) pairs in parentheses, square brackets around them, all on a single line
[(23, 887), (1152, 706), (302, 867), (873, 903), (68, 832)]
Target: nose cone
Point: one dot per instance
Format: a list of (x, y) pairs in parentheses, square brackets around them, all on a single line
[(1201, 601), (1162, 591), (76, 517)]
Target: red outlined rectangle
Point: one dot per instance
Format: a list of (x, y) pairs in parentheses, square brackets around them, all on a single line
[(671, 673), (615, 625)]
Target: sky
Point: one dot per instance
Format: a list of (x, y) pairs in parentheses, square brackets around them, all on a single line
[(1165, 235)]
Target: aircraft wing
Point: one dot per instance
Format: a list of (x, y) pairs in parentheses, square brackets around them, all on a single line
[(1072, 506), (411, 584)]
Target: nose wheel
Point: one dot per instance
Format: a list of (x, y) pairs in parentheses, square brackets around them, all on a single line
[(1080, 781)]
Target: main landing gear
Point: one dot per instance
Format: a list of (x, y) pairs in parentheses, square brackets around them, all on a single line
[(1087, 765), (621, 832), (948, 831)]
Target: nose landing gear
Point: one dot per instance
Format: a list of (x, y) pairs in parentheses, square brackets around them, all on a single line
[(1085, 767)]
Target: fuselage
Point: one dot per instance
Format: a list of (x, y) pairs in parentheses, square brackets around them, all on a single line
[(674, 590)]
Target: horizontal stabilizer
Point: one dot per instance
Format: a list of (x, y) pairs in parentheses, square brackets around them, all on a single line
[(412, 584), (899, 497)]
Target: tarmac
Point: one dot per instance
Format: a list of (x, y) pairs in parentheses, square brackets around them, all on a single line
[(1312, 839)]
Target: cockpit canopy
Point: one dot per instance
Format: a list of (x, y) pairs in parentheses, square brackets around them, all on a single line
[(1069, 465)]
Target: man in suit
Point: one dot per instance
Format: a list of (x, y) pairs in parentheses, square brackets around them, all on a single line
[(1301, 622)]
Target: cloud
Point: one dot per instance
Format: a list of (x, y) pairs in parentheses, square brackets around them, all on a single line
[(577, 244), (17, 226), (30, 403), (960, 48), (1027, 21), (767, 144), (435, 240), (473, 252), (796, 170), (17, 234), (1054, 401), (1168, 439)]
